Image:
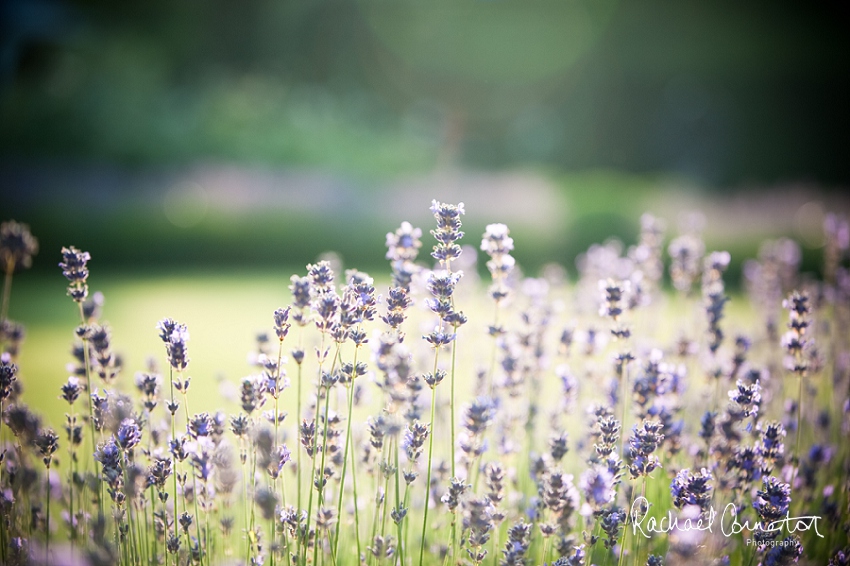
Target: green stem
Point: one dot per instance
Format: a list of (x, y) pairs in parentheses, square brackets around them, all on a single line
[(150, 532), (136, 530), (313, 456), (386, 489), (451, 401), (243, 457), (283, 504), (623, 428), (271, 541), (636, 540), (299, 417), (251, 533), (345, 456), (89, 392), (276, 394), (356, 512), (131, 531), (628, 517), (154, 546), (173, 458), (428, 475), (309, 505), (121, 547), (189, 546), (799, 426), (71, 457), (399, 505), (210, 543), (47, 518), (377, 510), (7, 289), (595, 532), (799, 417), (406, 533), (133, 549), (332, 545), (298, 464), (321, 486), (194, 480), (454, 539)]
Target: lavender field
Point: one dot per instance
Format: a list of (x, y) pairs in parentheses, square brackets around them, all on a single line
[(450, 410)]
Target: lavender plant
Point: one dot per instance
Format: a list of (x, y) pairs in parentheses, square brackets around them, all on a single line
[(505, 459)]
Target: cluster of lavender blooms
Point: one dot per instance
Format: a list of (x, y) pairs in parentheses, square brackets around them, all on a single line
[(498, 244), (520, 438)]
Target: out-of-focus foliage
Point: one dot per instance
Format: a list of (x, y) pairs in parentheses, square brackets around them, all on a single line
[(722, 92)]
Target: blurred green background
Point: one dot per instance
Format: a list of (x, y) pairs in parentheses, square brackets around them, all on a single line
[(167, 135)]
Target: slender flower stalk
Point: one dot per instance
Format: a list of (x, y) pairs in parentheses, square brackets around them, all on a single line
[(70, 393), (172, 409), (175, 335), (797, 344), (452, 499), (381, 432), (194, 434), (300, 288), (497, 244), (428, 469), (389, 470), (17, 248), (8, 377), (361, 301), (446, 250), (615, 302), (74, 267), (275, 385), (47, 443), (320, 479), (644, 441), (350, 400), (326, 305)]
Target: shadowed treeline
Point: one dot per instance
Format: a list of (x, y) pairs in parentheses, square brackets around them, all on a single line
[(721, 92)]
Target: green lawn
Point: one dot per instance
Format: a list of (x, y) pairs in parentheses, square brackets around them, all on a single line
[(224, 313)]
